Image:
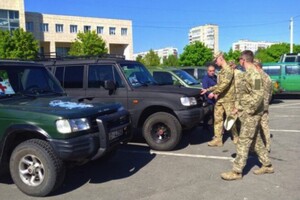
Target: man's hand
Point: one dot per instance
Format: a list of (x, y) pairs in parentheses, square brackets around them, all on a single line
[(216, 96), (203, 91), (211, 95), (234, 111)]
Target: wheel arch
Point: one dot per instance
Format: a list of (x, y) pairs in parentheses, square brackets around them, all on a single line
[(17, 134), (151, 110)]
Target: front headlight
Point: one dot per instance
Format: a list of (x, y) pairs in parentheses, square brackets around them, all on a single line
[(72, 125), (188, 101)]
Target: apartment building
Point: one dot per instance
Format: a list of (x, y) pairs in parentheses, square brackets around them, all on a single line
[(207, 34), (56, 32), (162, 53), (242, 45)]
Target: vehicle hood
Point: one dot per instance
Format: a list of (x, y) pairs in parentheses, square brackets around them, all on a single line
[(169, 89), (60, 106)]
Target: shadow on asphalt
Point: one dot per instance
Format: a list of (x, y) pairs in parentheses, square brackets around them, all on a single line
[(120, 166)]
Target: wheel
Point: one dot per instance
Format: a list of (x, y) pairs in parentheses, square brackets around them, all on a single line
[(35, 168), (162, 131)]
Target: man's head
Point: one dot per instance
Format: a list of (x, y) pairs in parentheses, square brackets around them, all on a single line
[(211, 70), (219, 59), (247, 56)]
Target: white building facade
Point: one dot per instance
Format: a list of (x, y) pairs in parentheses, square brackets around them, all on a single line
[(163, 53), (55, 33), (207, 34), (253, 46)]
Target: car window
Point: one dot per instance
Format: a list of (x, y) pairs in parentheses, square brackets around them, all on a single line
[(97, 74), (59, 74), (292, 70), (272, 70), (290, 59), (163, 78), (73, 77)]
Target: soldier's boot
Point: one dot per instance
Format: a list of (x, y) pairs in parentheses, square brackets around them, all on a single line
[(235, 139), (216, 142), (230, 176), (264, 170)]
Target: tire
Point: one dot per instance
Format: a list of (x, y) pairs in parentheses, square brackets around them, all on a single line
[(162, 131), (40, 179)]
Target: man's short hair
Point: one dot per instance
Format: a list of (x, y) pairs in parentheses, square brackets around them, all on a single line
[(217, 55), (248, 56)]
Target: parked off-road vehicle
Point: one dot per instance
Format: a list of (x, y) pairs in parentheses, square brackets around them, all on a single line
[(42, 130), (160, 111)]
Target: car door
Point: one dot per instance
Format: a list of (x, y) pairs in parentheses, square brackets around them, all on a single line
[(290, 79), (71, 79), (96, 75)]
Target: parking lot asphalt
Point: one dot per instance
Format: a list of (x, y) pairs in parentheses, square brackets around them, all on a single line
[(192, 171)]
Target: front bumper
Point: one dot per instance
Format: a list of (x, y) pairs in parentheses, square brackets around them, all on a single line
[(192, 117), (93, 145)]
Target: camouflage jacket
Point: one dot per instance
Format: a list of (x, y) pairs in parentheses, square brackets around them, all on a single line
[(238, 77), (268, 89), (225, 86), (251, 93)]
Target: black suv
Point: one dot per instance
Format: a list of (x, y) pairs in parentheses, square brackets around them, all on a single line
[(161, 111), (42, 129)]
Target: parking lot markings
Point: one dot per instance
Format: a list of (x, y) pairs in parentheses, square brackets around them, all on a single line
[(289, 131)]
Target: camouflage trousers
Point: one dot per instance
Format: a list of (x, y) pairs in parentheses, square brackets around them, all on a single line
[(220, 110), (265, 130), (250, 133)]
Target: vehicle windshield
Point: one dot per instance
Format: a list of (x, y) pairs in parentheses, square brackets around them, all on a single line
[(137, 75), (28, 81), (186, 77)]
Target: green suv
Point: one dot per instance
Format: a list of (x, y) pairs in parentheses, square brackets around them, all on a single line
[(174, 76), (42, 130)]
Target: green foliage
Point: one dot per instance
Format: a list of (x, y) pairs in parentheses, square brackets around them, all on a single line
[(171, 61), (88, 43), (195, 54), (140, 59), (232, 55), (19, 44), (151, 59), (273, 52)]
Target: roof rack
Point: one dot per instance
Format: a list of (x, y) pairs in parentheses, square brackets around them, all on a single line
[(52, 56)]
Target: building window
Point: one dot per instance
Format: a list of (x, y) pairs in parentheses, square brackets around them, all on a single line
[(73, 28), (112, 31), (45, 27), (29, 26), (59, 28), (100, 29), (62, 51), (123, 31), (13, 15), (86, 28)]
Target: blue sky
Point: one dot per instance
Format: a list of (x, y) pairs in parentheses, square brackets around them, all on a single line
[(166, 23)]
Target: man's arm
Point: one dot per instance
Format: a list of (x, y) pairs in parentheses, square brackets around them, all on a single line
[(224, 82)]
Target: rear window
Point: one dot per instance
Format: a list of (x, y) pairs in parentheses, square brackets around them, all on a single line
[(272, 70)]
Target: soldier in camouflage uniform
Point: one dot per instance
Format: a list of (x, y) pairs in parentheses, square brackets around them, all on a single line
[(250, 110), (268, 89), (225, 92)]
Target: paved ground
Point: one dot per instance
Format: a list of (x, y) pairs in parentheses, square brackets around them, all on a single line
[(190, 172)]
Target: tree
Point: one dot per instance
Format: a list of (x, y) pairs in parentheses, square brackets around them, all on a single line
[(18, 44), (140, 59), (273, 52), (151, 59), (195, 54), (171, 60), (232, 55), (88, 44)]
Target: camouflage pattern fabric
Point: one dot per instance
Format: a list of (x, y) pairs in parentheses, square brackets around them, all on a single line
[(268, 89), (222, 109), (225, 86), (251, 107)]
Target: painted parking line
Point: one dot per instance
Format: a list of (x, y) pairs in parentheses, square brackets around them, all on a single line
[(286, 116), (179, 154), (288, 131), (284, 105)]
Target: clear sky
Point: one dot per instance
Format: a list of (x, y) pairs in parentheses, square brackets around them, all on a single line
[(166, 23)]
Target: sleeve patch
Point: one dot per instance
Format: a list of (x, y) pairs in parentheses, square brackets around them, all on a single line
[(257, 84)]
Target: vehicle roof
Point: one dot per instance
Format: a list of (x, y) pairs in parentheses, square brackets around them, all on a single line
[(19, 62), (85, 61), (280, 63)]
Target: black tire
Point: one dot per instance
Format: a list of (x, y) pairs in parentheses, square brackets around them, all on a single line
[(162, 131), (47, 173)]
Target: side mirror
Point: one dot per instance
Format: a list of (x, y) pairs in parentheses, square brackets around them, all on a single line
[(109, 85)]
